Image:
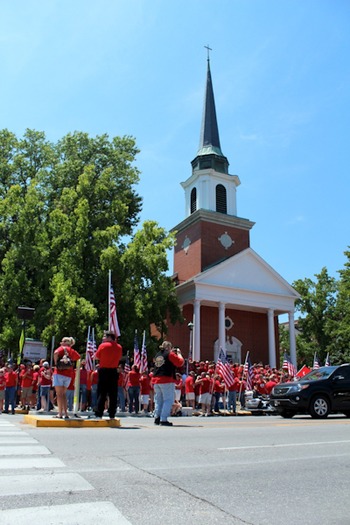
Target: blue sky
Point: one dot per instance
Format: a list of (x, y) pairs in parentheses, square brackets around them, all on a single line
[(281, 76)]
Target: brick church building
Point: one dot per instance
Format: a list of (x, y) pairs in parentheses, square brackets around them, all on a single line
[(226, 290)]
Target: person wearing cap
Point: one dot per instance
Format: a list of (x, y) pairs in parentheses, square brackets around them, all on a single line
[(165, 363), (45, 385), (109, 354), (64, 356), (26, 378)]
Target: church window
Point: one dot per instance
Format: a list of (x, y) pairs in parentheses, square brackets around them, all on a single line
[(221, 205), (193, 200)]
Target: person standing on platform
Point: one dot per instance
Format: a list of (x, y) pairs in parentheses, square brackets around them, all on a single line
[(165, 363), (63, 357), (109, 354)]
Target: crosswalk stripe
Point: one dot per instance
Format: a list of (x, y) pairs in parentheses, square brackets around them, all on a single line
[(24, 463), (19, 450), (16, 443), (11, 432), (42, 483), (101, 512), (21, 440)]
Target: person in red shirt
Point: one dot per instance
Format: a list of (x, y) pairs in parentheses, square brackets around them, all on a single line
[(63, 357), (11, 378), (189, 390), (2, 388), (109, 354), (122, 381), (134, 389), (145, 389), (232, 395), (26, 378), (94, 383), (270, 384), (205, 394), (218, 391), (45, 374), (178, 386)]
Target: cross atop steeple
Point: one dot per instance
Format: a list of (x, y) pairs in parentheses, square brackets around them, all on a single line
[(208, 50)]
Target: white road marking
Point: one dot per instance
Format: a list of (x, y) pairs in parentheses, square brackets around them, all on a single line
[(282, 445), (42, 483), (19, 450), (22, 439), (35, 463), (18, 432), (101, 512)]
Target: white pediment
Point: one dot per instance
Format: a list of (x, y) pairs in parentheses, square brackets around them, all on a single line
[(246, 271)]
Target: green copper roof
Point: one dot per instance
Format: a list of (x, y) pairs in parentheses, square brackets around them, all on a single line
[(209, 139)]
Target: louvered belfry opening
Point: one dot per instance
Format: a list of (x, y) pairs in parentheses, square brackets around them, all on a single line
[(221, 201), (193, 200)]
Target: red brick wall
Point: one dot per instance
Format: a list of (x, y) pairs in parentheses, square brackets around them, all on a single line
[(251, 328), (205, 248)]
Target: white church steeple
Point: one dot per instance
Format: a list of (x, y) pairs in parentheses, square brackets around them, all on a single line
[(210, 186)]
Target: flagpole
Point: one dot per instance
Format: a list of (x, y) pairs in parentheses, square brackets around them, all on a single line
[(243, 376), (93, 347), (109, 292)]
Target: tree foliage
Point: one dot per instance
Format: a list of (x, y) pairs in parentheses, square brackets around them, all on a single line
[(68, 214), (324, 324), (339, 327)]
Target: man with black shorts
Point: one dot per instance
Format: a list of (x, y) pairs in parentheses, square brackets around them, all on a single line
[(109, 354)]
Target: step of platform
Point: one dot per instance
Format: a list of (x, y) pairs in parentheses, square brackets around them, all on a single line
[(72, 422)]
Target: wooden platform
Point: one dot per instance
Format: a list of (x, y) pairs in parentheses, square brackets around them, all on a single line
[(72, 422)]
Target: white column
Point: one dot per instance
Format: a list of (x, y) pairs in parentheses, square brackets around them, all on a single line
[(292, 346), (271, 336), (222, 338), (197, 330)]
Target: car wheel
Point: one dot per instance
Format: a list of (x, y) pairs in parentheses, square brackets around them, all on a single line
[(319, 407), (287, 414)]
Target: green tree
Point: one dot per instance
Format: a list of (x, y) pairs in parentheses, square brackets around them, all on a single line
[(317, 306), (339, 327), (66, 214)]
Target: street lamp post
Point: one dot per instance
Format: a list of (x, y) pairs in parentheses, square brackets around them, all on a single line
[(26, 314), (190, 351)]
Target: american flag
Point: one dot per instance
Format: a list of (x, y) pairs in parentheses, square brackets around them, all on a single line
[(127, 364), (126, 370), (90, 351), (316, 362), (328, 361), (288, 365), (113, 319), (144, 363), (223, 368), (137, 357), (248, 372)]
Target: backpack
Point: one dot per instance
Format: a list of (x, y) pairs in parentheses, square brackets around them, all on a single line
[(64, 362)]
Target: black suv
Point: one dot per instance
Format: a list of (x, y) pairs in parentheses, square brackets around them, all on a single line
[(320, 392)]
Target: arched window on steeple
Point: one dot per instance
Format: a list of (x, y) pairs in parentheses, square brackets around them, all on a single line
[(193, 200), (221, 202)]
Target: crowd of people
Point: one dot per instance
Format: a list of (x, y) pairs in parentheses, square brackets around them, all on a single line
[(169, 385)]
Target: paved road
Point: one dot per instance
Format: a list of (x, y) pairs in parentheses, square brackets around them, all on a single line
[(234, 471)]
